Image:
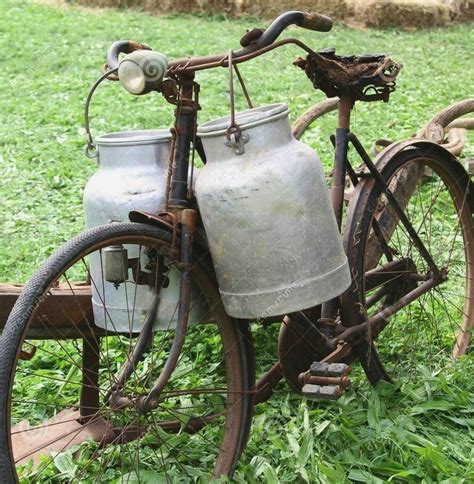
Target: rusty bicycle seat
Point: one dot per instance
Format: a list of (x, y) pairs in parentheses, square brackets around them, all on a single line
[(368, 77)]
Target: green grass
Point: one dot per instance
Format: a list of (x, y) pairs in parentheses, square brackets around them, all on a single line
[(419, 431), (54, 55)]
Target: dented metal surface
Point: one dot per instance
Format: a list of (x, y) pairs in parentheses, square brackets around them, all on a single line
[(271, 229), (131, 179)]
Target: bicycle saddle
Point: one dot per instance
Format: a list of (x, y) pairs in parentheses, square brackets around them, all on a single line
[(368, 77)]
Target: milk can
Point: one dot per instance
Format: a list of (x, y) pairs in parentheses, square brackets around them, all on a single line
[(131, 176), (265, 206)]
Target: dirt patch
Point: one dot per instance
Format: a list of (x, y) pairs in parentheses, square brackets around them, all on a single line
[(462, 9), (54, 3), (409, 14), (83, 5), (401, 13), (339, 9)]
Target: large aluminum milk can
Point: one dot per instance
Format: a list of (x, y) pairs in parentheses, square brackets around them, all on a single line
[(271, 228), (132, 176)]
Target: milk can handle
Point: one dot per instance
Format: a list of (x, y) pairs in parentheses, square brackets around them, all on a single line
[(231, 94), (236, 138), (91, 149)]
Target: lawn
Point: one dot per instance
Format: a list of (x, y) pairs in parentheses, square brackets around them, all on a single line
[(414, 431)]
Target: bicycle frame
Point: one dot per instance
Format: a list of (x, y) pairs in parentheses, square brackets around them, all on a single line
[(182, 90), (356, 327), (185, 126), (341, 327)]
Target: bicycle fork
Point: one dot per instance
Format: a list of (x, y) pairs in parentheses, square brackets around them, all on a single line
[(187, 105), (145, 403), (188, 224)]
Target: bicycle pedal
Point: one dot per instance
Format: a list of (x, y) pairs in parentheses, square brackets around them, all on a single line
[(322, 392), (325, 381), (319, 368)]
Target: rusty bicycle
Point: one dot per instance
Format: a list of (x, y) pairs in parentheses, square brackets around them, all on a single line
[(136, 333)]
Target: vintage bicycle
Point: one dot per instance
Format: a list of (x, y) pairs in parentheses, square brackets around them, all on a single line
[(139, 353)]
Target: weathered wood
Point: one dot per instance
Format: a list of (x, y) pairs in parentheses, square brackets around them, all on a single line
[(455, 141), (62, 313), (434, 130), (403, 186), (313, 113), (466, 123)]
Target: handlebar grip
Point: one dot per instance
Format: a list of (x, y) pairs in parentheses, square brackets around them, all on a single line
[(310, 20), (122, 47), (316, 21)]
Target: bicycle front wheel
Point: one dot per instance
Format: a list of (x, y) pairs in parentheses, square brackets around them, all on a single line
[(434, 193), (67, 411)]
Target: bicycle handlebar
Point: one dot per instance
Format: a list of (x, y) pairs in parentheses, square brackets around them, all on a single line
[(123, 47), (316, 21), (306, 20)]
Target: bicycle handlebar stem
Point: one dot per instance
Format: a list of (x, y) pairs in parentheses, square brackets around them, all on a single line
[(310, 20)]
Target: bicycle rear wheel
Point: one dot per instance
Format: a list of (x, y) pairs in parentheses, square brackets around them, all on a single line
[(65, 416), (435, 194)]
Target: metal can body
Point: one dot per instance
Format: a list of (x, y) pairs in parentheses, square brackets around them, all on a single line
[(131, 176), (271, 228)]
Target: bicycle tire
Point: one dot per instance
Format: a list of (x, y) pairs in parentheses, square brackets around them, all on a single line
[(235, 336), (445, 200)]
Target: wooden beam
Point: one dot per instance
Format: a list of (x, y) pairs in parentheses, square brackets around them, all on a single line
[(62, 313)]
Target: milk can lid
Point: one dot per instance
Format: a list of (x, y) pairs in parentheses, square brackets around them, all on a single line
[(133, 138), (245, 119)]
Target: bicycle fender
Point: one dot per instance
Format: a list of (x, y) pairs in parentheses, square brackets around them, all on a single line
[(162, 221), (393, 150), (157, 220)]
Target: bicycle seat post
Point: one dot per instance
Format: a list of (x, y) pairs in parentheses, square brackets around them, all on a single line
[(340, 157), (338, 179)]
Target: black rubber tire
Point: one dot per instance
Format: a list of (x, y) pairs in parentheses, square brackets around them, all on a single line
[(15, 329), (455, 180)]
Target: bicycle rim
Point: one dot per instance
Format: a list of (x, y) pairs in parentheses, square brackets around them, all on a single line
[(436, 326), (58, 420)]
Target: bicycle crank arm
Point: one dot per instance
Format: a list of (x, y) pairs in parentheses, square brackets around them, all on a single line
[(328, 379)]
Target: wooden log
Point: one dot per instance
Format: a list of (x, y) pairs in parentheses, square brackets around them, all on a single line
[(313, 113)]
